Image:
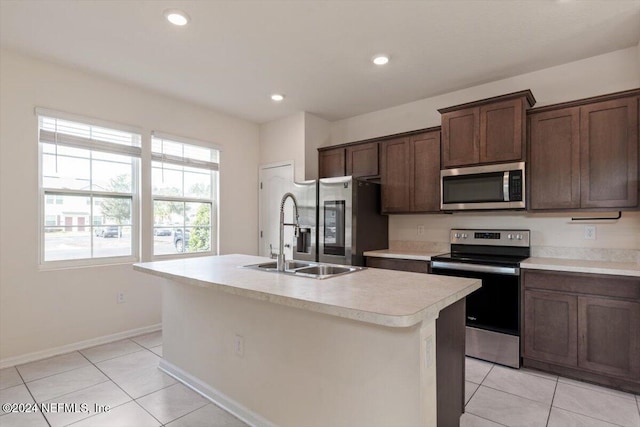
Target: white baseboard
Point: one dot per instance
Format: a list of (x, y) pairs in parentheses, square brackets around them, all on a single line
[(215, 396), (43, 354)]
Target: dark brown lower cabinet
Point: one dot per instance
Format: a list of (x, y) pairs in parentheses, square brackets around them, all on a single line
[(609, 331), (398, 264), (551, 327), (450, 346), (585, 326)]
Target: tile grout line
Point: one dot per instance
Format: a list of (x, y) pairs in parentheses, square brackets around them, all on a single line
[(118, 385), (190, 412), (589, 386), (552, 399), (32, 396), (487, 419), (512, 394), (590, 417), (578, 413), (114, 357), (57, 373)]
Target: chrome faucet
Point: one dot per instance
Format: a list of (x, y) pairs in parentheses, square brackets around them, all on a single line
[(281, 260)]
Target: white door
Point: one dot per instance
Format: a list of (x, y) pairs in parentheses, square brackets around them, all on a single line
[(275, 181)]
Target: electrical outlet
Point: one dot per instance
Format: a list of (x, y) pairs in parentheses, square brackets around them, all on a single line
[(590, 232), (420, 230), (239, 345), (120, 298)]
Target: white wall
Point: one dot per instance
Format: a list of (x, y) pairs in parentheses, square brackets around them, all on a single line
[(283, 140), (296, 137), (611, 72), (42, 310), (547, 229), (316, 134)]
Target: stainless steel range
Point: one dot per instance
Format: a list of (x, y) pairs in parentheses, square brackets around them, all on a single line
[(493, 311)]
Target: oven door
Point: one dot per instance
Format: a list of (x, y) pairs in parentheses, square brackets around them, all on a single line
[(493, 311)]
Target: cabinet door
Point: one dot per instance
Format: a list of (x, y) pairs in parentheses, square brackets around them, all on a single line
[(362, 159), (502, 130), (331, 163), (425, 172), (609, 332), (609, 154), (396, 176), (554, 164), (550, 327), (460, 137)]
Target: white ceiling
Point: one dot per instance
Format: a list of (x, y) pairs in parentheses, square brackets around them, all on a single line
[(234, 54)]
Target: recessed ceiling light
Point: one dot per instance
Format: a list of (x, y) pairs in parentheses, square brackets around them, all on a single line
[(380, 59), (176, 17), (277, 97)]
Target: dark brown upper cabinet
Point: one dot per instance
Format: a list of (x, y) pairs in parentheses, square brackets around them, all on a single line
[(584, 154), (425, 172), (609, 154), (554, 161), (331, 162), (396, 175), (362, 159), (410, 172), (488, 131), (356, 159)]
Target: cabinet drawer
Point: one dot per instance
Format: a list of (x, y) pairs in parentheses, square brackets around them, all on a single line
[(583, 283), (415, 266)]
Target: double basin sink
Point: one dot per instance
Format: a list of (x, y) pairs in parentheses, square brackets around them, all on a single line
[(306, 269)]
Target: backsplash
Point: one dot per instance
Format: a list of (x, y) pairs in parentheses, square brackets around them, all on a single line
[(553, 235), (587, 254)]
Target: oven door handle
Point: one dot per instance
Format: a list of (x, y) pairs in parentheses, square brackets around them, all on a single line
[(511, 271)]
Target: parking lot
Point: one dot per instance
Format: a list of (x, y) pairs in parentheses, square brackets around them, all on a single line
[(77, 245)]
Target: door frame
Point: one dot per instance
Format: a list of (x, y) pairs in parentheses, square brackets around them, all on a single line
[(262, 168)]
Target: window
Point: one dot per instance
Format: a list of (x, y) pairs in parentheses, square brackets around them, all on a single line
[(185, 197), (89, 184)]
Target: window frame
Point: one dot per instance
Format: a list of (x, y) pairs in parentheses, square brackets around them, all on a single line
[(136, 166), (214, 199)]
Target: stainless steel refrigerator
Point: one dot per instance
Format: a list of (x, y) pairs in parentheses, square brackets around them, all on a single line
[(347, 223)]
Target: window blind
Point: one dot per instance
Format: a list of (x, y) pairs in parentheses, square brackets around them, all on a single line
[(79, 135), (174, 152)]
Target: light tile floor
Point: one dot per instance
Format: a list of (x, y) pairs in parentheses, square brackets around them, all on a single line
[(124, 376), (500, 396)]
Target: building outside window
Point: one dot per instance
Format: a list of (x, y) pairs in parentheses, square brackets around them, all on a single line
[(89, 191), (185, 196)]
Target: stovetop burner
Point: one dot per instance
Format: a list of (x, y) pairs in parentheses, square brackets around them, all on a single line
[(488, 247)]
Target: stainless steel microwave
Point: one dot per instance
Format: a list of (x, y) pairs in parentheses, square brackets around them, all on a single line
[(499, 186)]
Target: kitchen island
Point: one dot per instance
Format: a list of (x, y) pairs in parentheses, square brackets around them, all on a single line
[(277, 349)]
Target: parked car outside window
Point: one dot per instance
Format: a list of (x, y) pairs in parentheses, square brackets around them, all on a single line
[(181, 242), (162, 231), (110, 231)]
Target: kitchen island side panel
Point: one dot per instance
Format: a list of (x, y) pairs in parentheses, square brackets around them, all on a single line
[(300, 367)]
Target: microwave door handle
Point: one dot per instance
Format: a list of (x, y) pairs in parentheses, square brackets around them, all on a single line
[(505, 186)]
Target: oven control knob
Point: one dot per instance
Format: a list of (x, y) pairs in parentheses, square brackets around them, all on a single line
[(464, 235), (457, 235), (510, 236), (519, 236)]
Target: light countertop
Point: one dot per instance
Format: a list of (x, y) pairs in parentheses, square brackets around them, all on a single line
[(534, 263), (382, 297), (582, 266), (402, 254)]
